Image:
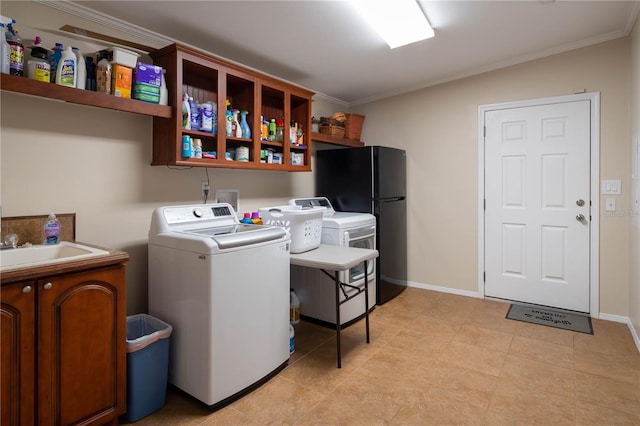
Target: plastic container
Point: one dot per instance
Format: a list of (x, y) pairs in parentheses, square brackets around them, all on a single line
[(67, 71), (38, 67), (304, 225), (103, 76), (81, 80), (187, 149), (292, 341), (186, 112), (255, 218), (294, 307), (164, 93), (125, 57), (54, 58), (52, 230), (247, 219), (147, 365), (16, 52), (5, 52)]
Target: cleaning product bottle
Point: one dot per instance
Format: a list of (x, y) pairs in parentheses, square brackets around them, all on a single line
[(194, 116), (38, 67), (228, 123), (67, 71), (5, 51), (164, 93), (91, 74), (16, 52), (81, 78), (186, 112), (247, 219), (244, 126), (255, 218), (54, 58), (292, 341), (52, 230), (103, 75), (236, 130), (187, 148), (294, 307)]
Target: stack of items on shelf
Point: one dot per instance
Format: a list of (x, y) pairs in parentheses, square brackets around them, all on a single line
[(113, 71), (334, 125)]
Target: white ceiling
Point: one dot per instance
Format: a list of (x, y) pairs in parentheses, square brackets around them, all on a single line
[(326, 47)]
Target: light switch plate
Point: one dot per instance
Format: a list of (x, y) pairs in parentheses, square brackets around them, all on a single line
[(611, 187)]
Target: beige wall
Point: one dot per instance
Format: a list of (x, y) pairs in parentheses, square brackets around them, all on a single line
[(634, 253), (438, 128)]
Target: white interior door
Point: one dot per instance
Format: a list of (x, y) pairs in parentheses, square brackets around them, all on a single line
[(537, 204)]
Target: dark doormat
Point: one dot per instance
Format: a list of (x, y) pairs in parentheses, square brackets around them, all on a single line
[(551, 318)]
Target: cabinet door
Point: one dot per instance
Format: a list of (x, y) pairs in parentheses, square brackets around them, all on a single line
[(17, 367), (82, 347)]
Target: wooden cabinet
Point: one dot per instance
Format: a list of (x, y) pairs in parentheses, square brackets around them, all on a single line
[(209, 79), (71, 330)]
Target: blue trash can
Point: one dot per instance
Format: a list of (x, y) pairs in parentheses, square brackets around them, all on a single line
[(147, 365)]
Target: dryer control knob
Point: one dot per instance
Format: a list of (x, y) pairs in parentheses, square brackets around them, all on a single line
[(197, 213)]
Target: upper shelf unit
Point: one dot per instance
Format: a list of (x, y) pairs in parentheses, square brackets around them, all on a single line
[(209, 80), (28, 86)]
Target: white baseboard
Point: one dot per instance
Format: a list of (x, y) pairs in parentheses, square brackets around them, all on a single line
[(624, 320), (449, 290)]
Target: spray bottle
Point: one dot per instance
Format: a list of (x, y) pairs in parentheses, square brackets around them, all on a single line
[(81, 79), (5, 57), (186, 112), (52, 230)]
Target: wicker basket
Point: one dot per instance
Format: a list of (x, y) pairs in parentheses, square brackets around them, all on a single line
[(331, 127), (353, 126)]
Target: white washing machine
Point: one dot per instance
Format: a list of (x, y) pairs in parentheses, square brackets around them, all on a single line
[(224, 287), (315, 289)]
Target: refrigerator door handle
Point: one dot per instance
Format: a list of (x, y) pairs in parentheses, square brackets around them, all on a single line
[(389, 200)]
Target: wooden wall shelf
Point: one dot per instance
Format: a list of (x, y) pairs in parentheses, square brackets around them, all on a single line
[(321, 137), (28, 86)]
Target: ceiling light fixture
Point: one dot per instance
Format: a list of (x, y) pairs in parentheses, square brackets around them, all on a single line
[(399, 22)]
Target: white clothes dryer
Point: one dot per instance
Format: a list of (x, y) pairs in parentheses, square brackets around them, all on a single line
[(315, 290)]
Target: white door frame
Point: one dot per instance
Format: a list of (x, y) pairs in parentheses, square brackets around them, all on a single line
[(594, 258)]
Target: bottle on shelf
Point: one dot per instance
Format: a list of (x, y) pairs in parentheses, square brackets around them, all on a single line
[(195, 117), (103, 75), (54, 58), (255, 218), (38, 68), (16, 52), (81, 78), (294, 307), (5, 51), (67, 71), (244, 126), (164, 93), (272, 130), (279, 130), (264, 129), (186, 112), (247, 219), (187, 151), (236, 131), (91, 74)]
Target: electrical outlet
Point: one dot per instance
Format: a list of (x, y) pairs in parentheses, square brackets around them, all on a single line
[(205, 189)]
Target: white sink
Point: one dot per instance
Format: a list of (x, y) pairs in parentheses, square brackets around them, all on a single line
[(41, 255)]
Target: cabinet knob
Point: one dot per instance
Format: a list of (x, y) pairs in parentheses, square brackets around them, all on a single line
[(48, 286), (26, 289)]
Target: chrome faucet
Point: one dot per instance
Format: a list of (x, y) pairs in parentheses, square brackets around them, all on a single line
[(10, 241)]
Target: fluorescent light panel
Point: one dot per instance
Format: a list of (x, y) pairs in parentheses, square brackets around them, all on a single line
[(399, 22)]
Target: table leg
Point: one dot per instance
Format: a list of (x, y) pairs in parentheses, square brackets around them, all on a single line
[(366, 296), (337, 278)]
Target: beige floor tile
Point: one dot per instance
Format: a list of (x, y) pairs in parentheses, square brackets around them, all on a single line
[(432, 408), (534, 375), (380, 394), (528, 405), (404, 365), (318, 372), (484, 337), (434, 326), (333, 411), (608, 338), (228, 416), (545, 334), (278, 400), (610, 393), (473, 358), (625, 368), (551, 353), (459, 383), (492, 317), (594, 415)]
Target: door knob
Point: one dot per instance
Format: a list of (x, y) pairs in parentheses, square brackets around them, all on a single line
[(580, 218), (580, 203), (48, 286)]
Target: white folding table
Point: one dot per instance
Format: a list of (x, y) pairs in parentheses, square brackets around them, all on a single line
[(336, 258)]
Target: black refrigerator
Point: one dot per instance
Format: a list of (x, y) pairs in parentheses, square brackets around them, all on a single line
[(372, 179)]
